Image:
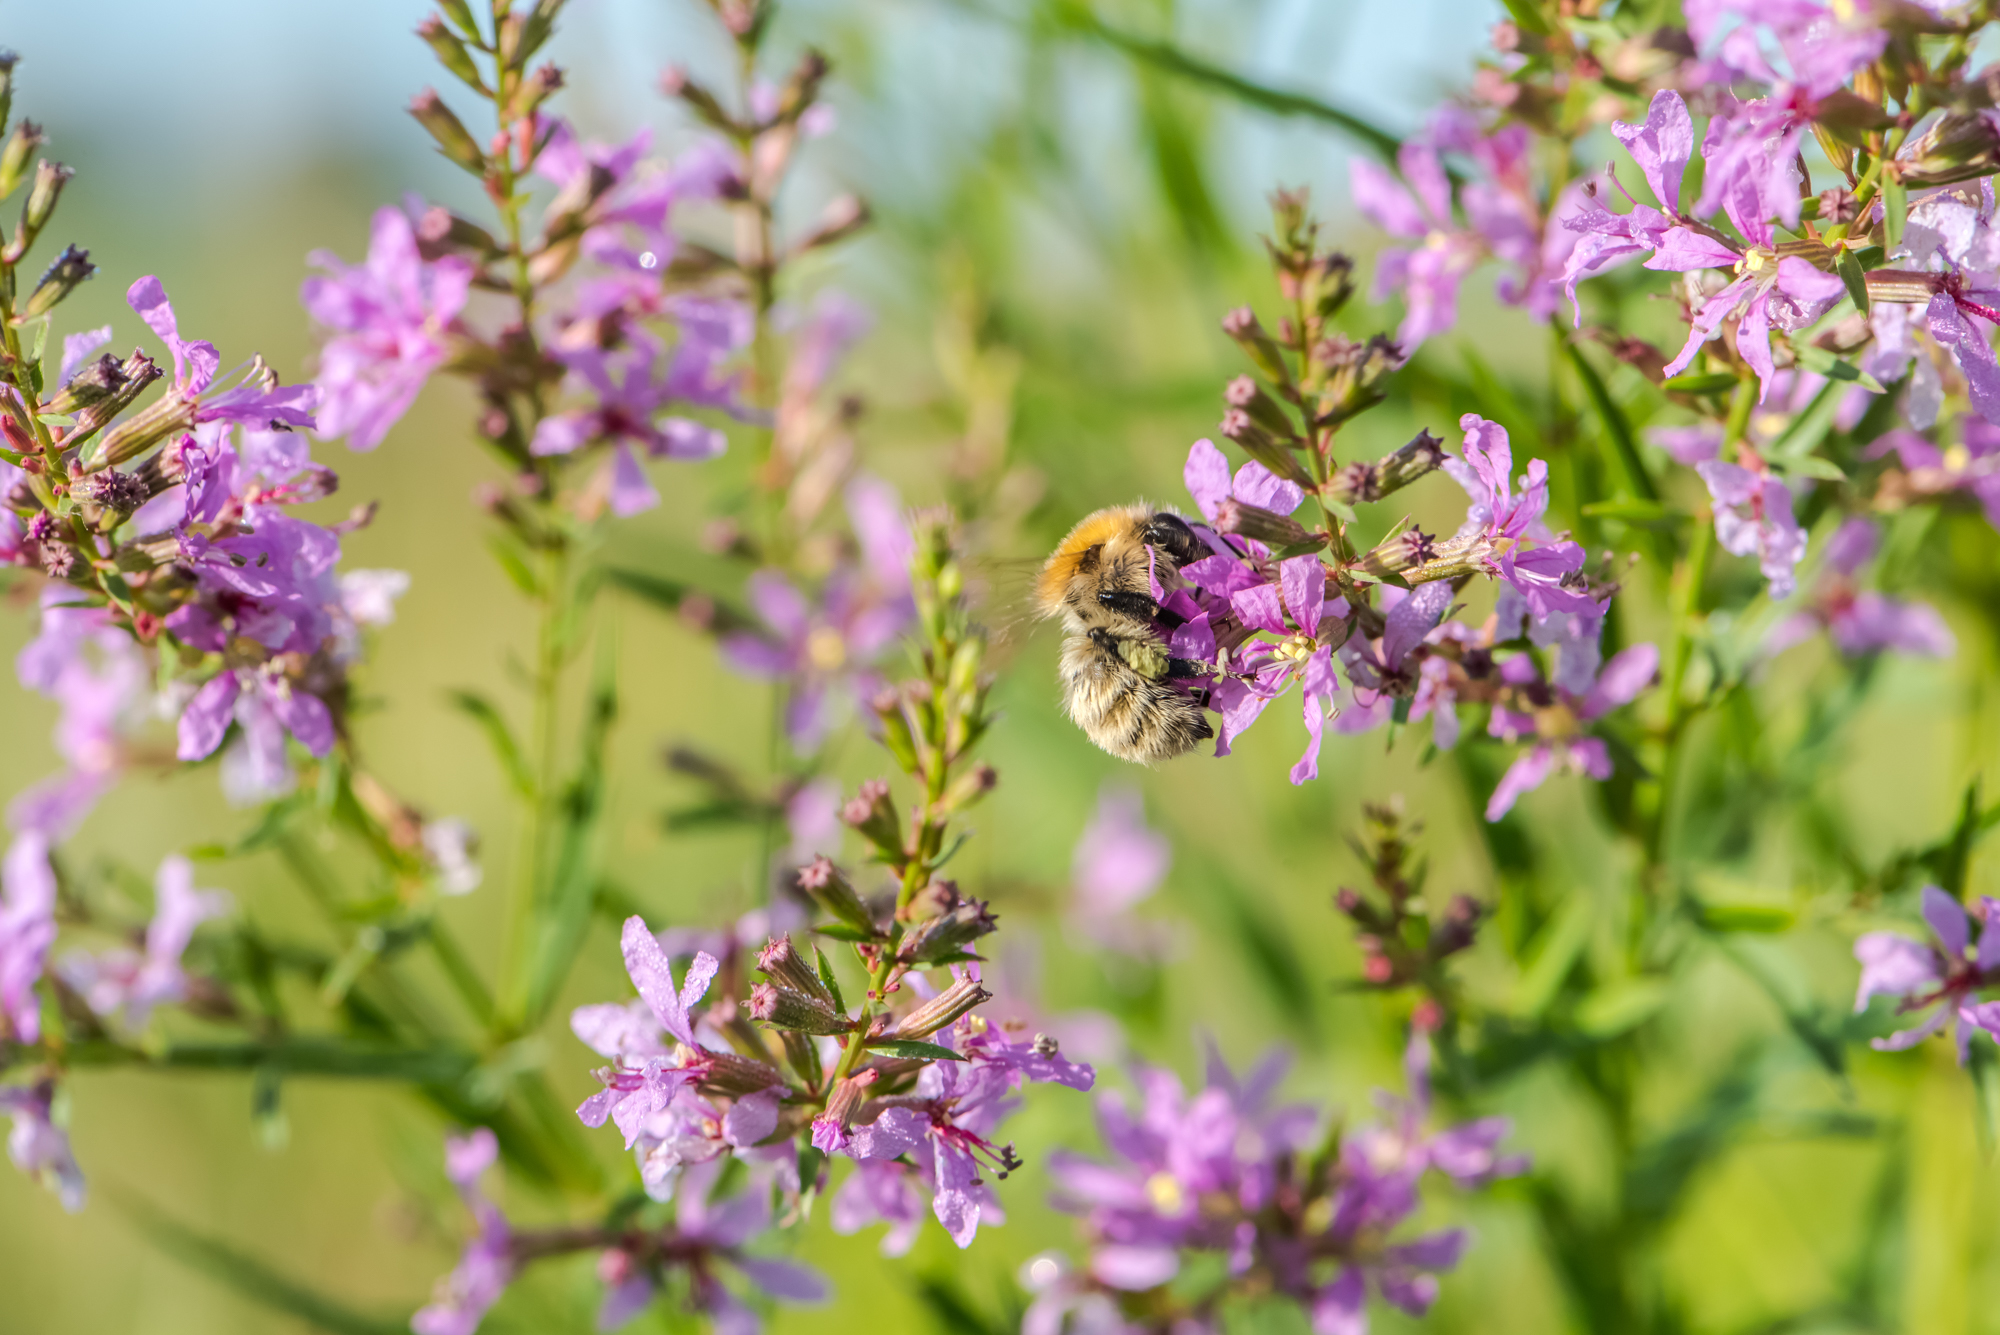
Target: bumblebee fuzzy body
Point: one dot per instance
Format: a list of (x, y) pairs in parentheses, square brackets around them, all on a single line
[(1118, 680)]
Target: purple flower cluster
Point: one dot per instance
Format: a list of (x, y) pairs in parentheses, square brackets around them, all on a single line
[(1231, 1173), (1262, 623), (1943, 975)]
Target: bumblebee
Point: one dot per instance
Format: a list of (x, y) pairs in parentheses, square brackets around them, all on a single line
[(1118, 680)]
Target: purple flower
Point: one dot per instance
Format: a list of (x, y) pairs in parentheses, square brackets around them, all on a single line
[(133, 983), (881, 1191), (1384, 668), (1753, 513), (1861, 621), (1206, 475), (945, 1129), (1514, 544), (101, 682), (643, 1082), (627, 391), (27, 929), (38, 1146), (1506, 221), (1947, 970), (1118, 862), (823, 652), (627, 222), (486, 1266), (1561, 744), (249, 402), (390, 318), (268, 706), (1262, 671), (718, 1230), (1948, 318)]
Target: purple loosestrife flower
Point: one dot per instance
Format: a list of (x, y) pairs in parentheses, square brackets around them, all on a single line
[(1945, 973), (1753, 513), (945, 1128), (1561, 743), (486, 1267), (38, 1146), (881, 1191), (1972, 466), (691, 1130), (1506, 222), (27, 929), (1304, 650), (627, 390), (1751, 146), (642, 1082), (1377, 668), (1861, 621), (627, 225), (100, 680), (1118, 862), (1514, 544), (1661, 146), (130, 983), (189, 402), (707, 1232), (390, 319)]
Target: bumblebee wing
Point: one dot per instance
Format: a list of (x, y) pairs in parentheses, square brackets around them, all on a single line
[(1001, 589)]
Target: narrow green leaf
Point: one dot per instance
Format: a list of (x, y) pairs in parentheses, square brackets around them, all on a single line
[(1895, 212), (672, 595), (1745, 917), (911, 1050), (1851, 273), (1821, 362), (840, 931), (1983, 1065), (1175, 61), (498, 736), (252, 1277), (1620, 1007), (1949, 861), (515, 565), (826, 976), (1700, 382), (1813, 465), (1553, 954), (1616, 425), (562, 910), (1529, 16)]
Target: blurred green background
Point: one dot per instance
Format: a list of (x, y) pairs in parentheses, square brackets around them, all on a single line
[(1059, 228)]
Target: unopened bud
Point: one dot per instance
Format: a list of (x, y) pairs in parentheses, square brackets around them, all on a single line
[(896, 734), (872, 814), (822, 883), (536, 29), (782, 1008), (7, 62), (18, 152), (729, 1074), (1377, 969), (1347, 901), (453, 140), (112, 491), (675, 83), (168, 416), (942, 1010), (451, 52), (1265, 354), (1428, 1017), (849, 1092), (1250, 521), (1405, 551), (68, 271), (844, 216), (1837, 206), (1960, 147), (781, 962), (1245, 393), (1262, 446), (802, 1055), (441, 232), (50, 178), (460, 14), (969, 787), (537, 88), (944, 938)]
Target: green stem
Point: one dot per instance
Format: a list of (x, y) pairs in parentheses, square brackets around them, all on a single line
[(553, 605)]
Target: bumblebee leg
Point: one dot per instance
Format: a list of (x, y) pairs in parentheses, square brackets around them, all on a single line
[(1129, 604), (1170, 534), (1188, 667)]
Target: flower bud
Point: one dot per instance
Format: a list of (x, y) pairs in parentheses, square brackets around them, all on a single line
[(113, 492), (841, 218), (1960, 147), (896, 734), (802, 1055), (942, 1010), (453, 140), (781, 962), (675, 83), (943, 939), (1262, 446), (1404, 551), (728, 1074), (536, 28), (168, 416), (101, 391), (50, 178), (1245, 393), (872, 815), (1354, 374), (1234, 516), (782, 1008), (1265, 354), (7, 62), (441, 232), (68, 271), (969, 787), (16, 154), (450, 51), (1422, 456), (537, 88), (844, 1102), (822, 883)]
